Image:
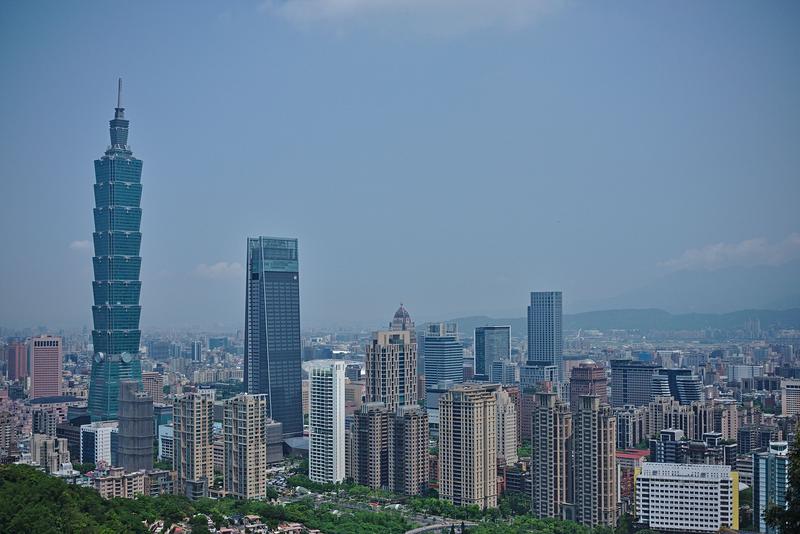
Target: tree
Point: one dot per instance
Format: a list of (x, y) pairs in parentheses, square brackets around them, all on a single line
[(788, 519), (199, 524), (83, 468), (624, 525)]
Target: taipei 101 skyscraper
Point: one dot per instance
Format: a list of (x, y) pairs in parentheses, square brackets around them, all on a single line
[(116, 286)]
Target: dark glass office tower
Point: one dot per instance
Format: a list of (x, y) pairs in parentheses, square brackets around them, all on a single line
[(272, 329), (492, 343), (116, 286)]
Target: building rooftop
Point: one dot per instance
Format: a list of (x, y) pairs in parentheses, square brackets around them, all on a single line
[(56, 399)]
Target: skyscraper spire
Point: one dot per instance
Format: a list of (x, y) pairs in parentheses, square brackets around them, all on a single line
[(119, 111)]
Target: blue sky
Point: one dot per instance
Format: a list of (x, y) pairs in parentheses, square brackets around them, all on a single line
[(449, 154)]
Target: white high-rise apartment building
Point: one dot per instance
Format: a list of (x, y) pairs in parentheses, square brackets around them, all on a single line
[(326, 462), (687, 497)]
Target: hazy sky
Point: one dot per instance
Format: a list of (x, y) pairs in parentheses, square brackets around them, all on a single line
[(450, 154)]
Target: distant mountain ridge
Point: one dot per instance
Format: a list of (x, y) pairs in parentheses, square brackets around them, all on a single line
[(645, 319)]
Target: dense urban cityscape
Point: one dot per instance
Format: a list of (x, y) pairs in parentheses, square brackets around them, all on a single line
[(545, 421)]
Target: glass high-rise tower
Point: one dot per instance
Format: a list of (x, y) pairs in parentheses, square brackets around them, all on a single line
[(116, 286), (545, 339), (272, 329), (492, 343)]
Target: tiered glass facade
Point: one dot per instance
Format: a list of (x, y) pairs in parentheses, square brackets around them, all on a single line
[(116, 286)]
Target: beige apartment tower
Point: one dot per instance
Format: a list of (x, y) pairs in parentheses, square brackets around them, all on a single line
[(389, 449), (391, 369), (551, 463), (370, 443), (245, 446), (193, 419), (408, 450), (595, 433), (468, 445)]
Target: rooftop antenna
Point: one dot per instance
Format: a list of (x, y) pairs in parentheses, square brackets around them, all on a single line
[(119, 93)]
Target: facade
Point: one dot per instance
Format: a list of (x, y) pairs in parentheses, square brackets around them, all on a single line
[(672, 447), (116, 286), (632, 426), (551, 448), (98, 442), (370, 442), (545, 337), (444, 355), (726, 418), (595, 434), (770, 482), (790, 397), (389, 450), (44, 421), (686, 498), (536, 376), (631, 382), (46, 366), (326, 439), (272, 329), (588, 379), (468, 445), (504, 372), (136, 428), (17, 358), (507, 437), (49, 452), (408, 450), (197, 351), (741, 372), (391, 368), (245, 449), (694, 420), (116, 483), (193, 421), (683, 385), (153, 383), (166, 443), (492, 344), (627, 463), (757, 436)]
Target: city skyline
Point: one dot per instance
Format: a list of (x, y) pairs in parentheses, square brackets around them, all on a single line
[(631, 164), (616, 163)]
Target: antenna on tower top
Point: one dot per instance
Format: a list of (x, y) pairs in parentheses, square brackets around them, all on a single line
[(119, 93)]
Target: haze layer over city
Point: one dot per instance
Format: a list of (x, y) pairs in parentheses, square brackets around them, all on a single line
[(400, 266)]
